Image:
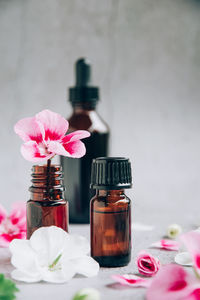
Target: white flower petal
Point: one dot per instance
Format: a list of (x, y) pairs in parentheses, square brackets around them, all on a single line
[(76, 246), (64, 272), (23, 257), (86, 266), (58, 276), (183, 259), (21, 276), (48, 242)]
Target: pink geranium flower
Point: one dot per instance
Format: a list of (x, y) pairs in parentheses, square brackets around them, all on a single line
[(131, 280), (44, 136), (147, 264), (192, 242), (166, 245), (173, 283), (12, 226)]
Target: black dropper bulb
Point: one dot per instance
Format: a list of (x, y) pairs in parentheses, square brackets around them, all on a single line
[(83, 91), (83, 72)]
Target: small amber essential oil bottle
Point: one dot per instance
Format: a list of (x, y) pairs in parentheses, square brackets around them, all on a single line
[(47, 205), (110, 211)]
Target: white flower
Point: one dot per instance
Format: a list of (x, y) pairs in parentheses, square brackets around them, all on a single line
[(173, 231), (51, 255), (87, 294)]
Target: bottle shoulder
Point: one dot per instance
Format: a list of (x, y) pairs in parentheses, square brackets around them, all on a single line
[(103, 204), (89, 120)]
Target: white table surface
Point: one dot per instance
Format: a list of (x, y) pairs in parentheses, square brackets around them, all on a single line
[(103, 282)]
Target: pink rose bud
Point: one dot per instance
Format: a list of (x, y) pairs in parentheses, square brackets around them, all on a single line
[(147, 264)]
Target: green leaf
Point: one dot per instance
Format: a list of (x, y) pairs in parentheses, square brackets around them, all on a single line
[(87, 294), (79, 297), (7, 288)]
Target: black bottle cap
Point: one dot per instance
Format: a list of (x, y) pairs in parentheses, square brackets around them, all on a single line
[(111, 173), (83, 91)]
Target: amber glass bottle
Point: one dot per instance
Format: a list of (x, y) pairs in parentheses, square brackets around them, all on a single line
[(110, 212), (47, 205), (77, 172)]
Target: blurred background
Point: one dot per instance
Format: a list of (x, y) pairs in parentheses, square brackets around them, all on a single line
[(146, 60)]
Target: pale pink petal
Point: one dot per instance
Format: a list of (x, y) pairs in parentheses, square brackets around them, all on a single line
[(72, 149), (55, 125), (166, 245), (76, 135), (31, 152), (18, 215), (172, 282), (3, 213), (29, 130), (192, 242), (132, 280), (147, 264), (4, 241)]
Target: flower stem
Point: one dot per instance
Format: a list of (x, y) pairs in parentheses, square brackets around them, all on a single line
[(48, 177), (54, 263)]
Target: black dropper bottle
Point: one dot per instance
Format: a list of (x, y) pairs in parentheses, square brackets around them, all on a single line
[(77, 172)]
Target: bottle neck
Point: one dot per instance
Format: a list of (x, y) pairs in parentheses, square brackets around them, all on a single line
[(82, 107), (47, 184), (110, 193)]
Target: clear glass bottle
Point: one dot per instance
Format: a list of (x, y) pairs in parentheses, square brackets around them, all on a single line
[(110, 212), (47, 205), (77, 172)]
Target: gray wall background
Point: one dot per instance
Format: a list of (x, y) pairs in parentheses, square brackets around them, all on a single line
[(146, 59)]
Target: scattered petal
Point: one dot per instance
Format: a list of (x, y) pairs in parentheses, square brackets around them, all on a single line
[(132, 280), (147, 264), (166, 245), (183, 259), (172, 282), (192, 242)]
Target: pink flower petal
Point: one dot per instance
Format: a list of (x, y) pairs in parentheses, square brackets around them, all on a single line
[(55, 126), (18, 215), (3, 213), (172, 282), (5, 238), (29, 130), (31, 152), (147, 264), (166, 245), (72, 149), (76, 135), (192, 242), (76, 149), (13, 226), (132, 280)]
